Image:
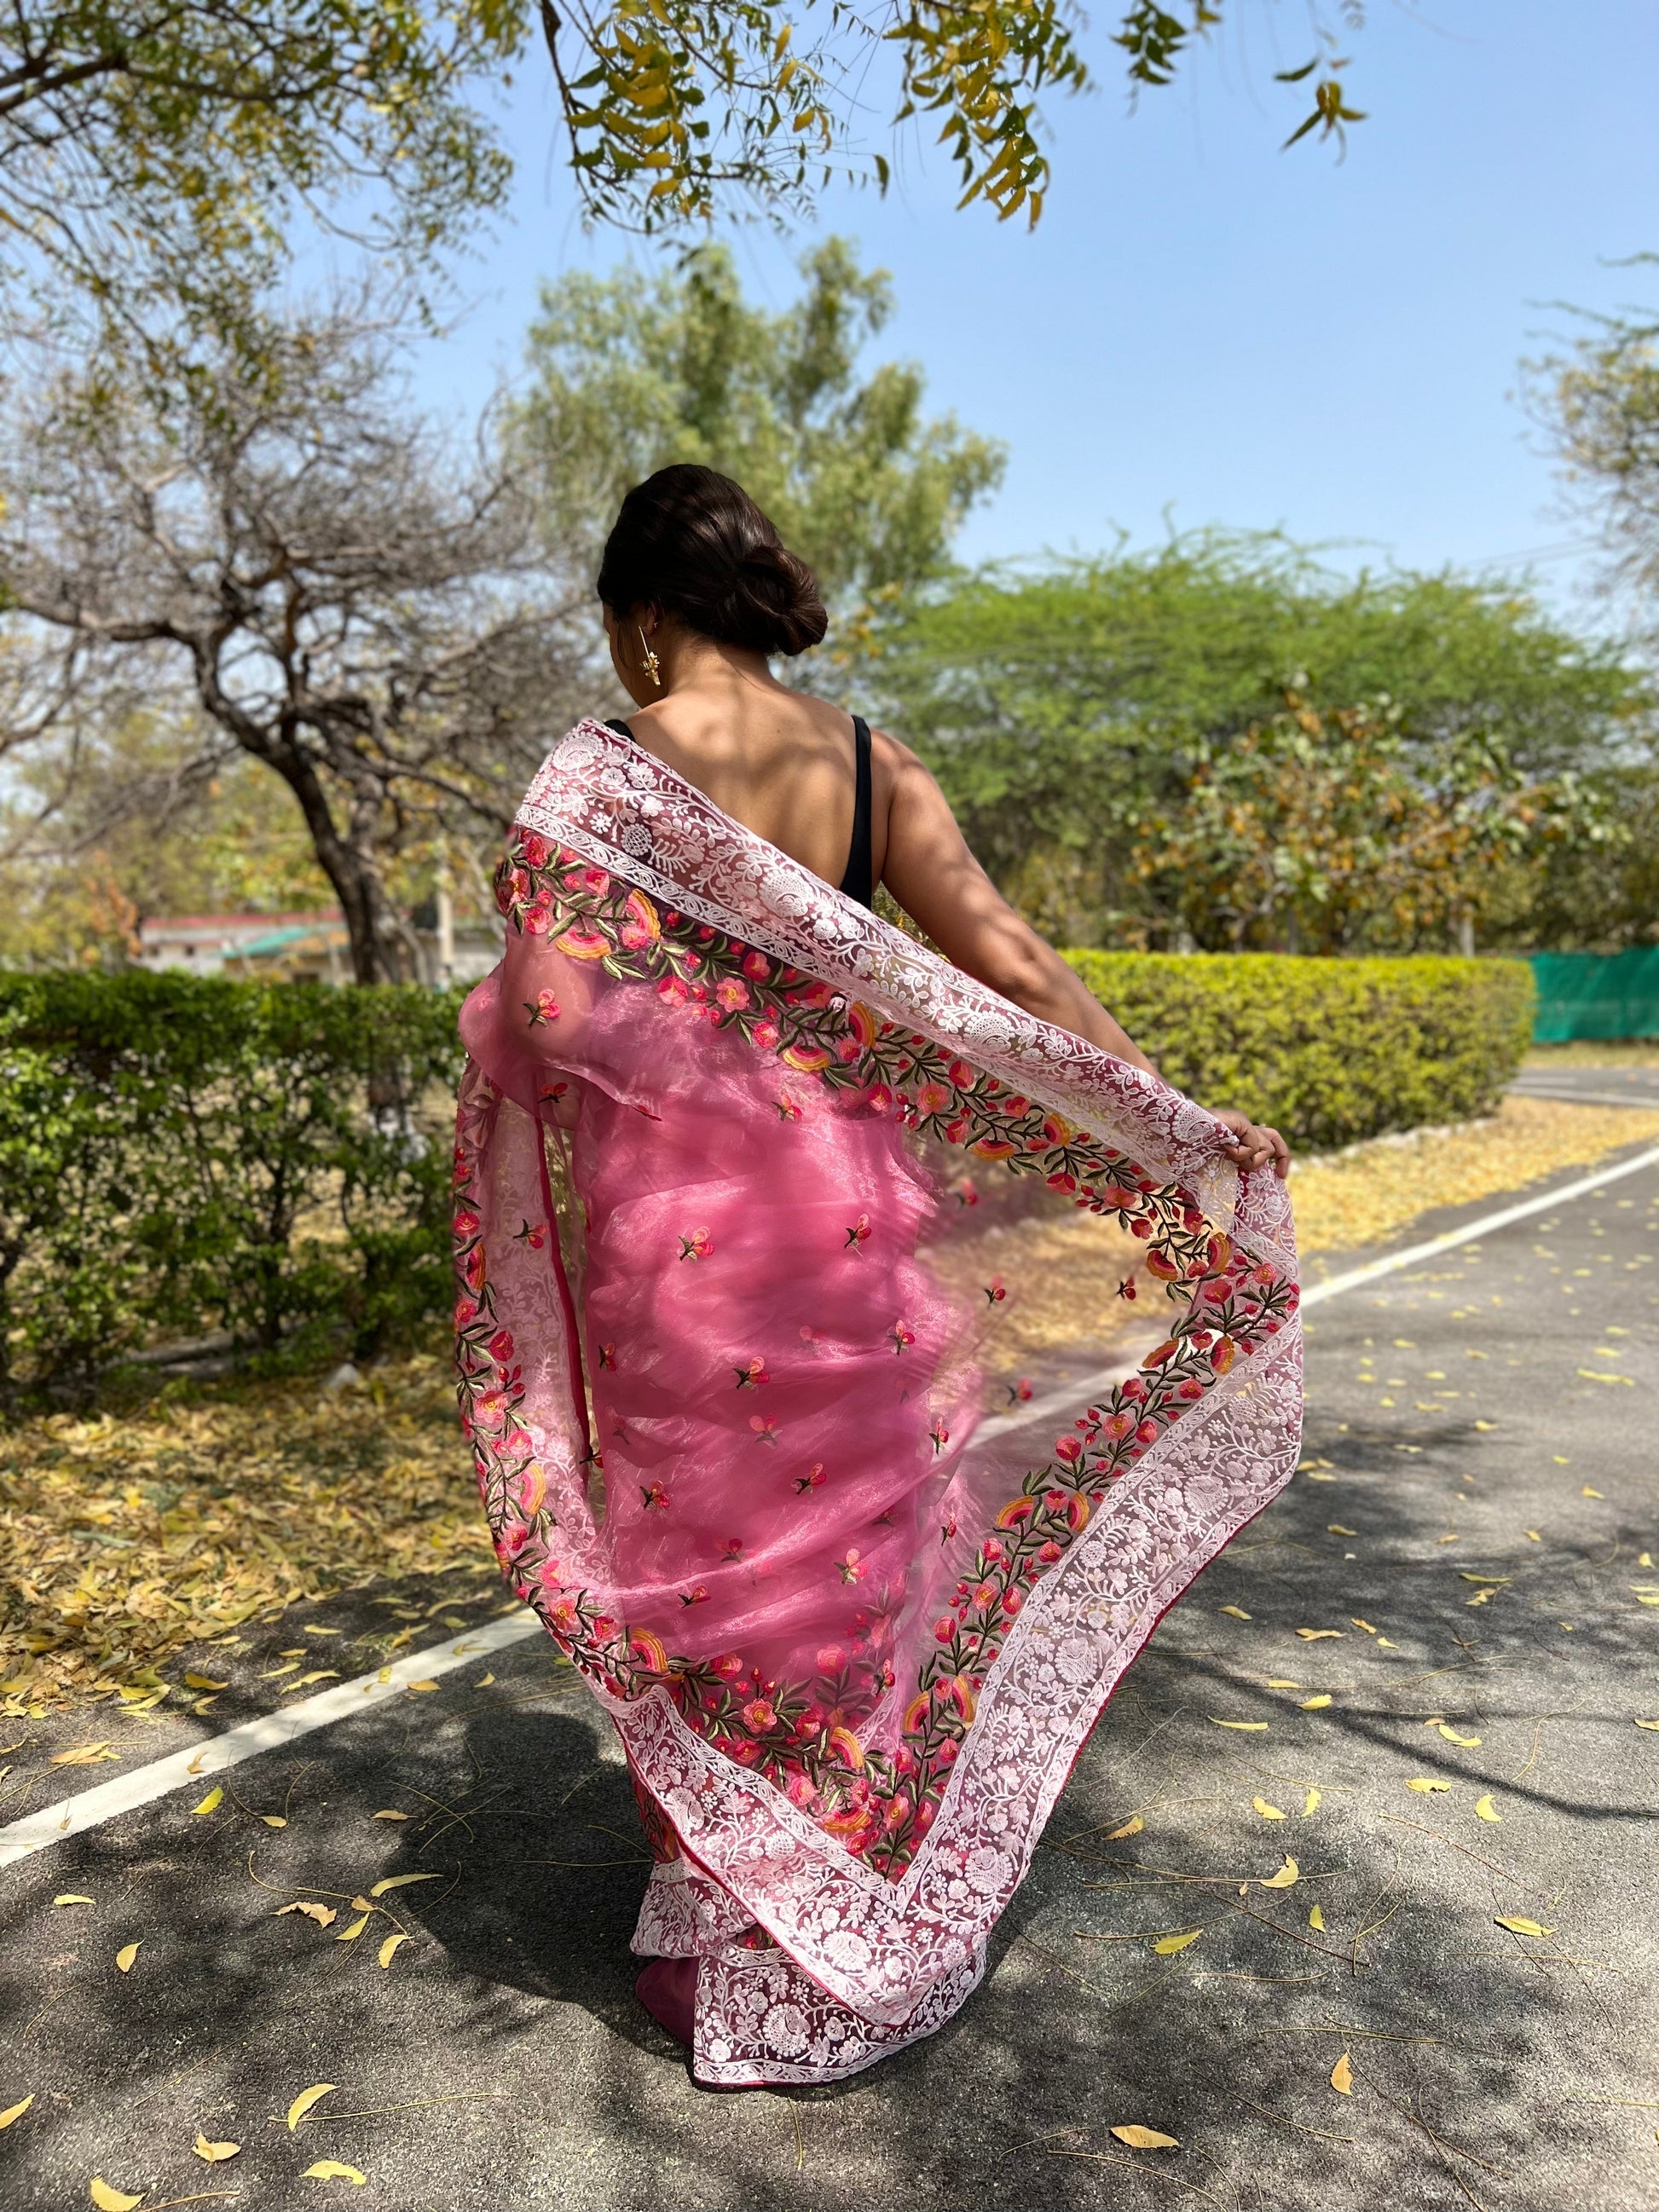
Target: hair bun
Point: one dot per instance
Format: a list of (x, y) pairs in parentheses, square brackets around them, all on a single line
[(692, 541)]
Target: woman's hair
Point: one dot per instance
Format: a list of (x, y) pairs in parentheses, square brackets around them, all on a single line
[(695, 544)]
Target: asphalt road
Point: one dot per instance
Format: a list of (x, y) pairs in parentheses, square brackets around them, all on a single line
[(1473, 1534), (1591, 1086)]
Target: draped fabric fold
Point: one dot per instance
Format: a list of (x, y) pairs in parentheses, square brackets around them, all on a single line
[(726, 1413)]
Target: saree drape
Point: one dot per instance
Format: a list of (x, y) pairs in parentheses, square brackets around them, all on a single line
[(723, 1411)]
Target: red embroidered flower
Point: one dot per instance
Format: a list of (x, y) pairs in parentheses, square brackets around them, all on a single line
[(535, 848), (655, 1496), (939, 1435), (752, 1375), (698, 1596), (851, 1569), (900, 1334), (757, 964), (858, 1234), (766, 1431), (697, 1246), (1069, 1449), (672, 991), (728, 1664), (995, 1290), (732, 994), (731, 1548), (831, 1659), (813, 1479), (945, 1628), (759, 1716)]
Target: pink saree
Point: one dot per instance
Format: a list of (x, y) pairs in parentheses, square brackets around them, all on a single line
[(724, 1412)]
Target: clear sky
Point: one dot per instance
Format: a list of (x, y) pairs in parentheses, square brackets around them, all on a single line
[(1205, 326)]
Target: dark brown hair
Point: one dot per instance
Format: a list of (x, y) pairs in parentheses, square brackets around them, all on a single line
[(690, 541)]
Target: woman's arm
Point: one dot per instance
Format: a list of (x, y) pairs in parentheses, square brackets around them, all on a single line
[(942, 887)]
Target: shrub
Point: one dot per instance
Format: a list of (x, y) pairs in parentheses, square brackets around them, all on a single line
[(181, 1154), (1328, 1051)]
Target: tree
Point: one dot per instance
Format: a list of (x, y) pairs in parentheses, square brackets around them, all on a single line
[(330, 587), (1058, 705), (627, 377)]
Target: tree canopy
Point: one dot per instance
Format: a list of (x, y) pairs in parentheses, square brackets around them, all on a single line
[(627, 376)]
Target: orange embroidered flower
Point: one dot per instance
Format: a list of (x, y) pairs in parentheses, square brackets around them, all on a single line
[(765, 1431), (813, 1479), (752, 1375), (851, 1569), (655, 1496), (697, 1246)]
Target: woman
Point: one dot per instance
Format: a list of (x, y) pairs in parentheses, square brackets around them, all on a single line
[(723, 1408)]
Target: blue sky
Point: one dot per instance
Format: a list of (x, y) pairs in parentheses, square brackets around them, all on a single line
[(1204, 327)]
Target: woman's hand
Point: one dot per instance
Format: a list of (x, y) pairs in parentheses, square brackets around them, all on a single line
[(1256, 1146)]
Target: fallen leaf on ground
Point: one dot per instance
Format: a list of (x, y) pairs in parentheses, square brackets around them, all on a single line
[(1517, 1927), (1316, 1704), (15, 2111), (1423, 1785), (399, 1881), (1311, 1804), (350, 1935), (334, 2169), (1282, 1682), (1495, 1580), (1313, 1635), (273, 1819), (73, 1897), (1466, 1742), (1286, 1878), (1267, 1812), (1145, 2139), (212, 1801), (1587, 1492), (204, 1682), (1316, 1918), (390, 1946), (84, 1754), (1648, 1724), (420, 1686), (111, 2200), (126, 1955), (324, 1915), (1257, 1726), (1237, 1611), (1335, 1529), (483, 1681), (1358, 1623), (1166, 1945), (1342, 2076), (303, 2103), (1486, 1810), (389, 1815), (1131, 1826), (214, 2153)]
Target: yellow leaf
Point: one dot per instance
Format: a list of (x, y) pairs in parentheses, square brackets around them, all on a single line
[(350, 1935), (1485, 1425), (1466, 1742), (1145, 2139), (1257, 1727), (1313, 1635), (331, 2169), (1335, 1529), (84, 1754), (212, 1801), (390, 1946), (1267, 1812), (1282, 1682), (1286, 1878), (74, 1896), (1423, 1785), (1316, 1704), (399, 1881), (15, 2111), (1648, 1724), (1523, 1927), (1237, 1611), (1166, 1945), (1532, 1536), (126, 1955), (1131, 1826), (1587, 1492), (1495, 1580), (1311, 1803), (1358, 1623), (1342, 2076), (389, 1815), (214, 2153), (303, 2103), (273, 1819), (420, 1685), (1316, 1918), (1560, 1462), (485, 1680), (324, 1915), (1486, 1810), (204, 1682), (111, 2200)]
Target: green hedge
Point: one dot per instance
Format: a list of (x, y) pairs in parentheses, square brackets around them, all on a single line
[(181, 1156), (1329, 1051)]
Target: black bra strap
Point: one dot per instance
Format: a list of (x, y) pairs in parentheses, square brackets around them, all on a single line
[(859, 881), (621, 728)]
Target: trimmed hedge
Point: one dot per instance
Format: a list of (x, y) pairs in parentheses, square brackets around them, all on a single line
[(1328, 1051), (182, 1155)]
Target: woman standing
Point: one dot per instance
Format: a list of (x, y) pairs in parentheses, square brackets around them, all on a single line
[(723, 1408)]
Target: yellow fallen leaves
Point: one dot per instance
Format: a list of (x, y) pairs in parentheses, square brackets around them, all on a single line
[(350, 1935), (1286, 1878), (1342, 2076), (1310, 1803), (84, 1754), (1134, 1824), (334, 2169), (72, 1897), (204, 1682), (1236, 1612), (1426, 1784), (1521, 1927), (399, 1881), (1587, 1492), (212, 1801), (1316, 1704), (1316, 1918), (214, 2153), (1166, 1945), (126, 1955), (1314, 1635), (388, 1948), (1256, 1727), (15, 2111), (111, 2200), (1138, 2138), (420, 1687), (324, 1915), (1267, 1812), (389, 1815), (303, 2103), (1465, 1742), (1486, 1810), (1648, 1724), (1335, 1529)]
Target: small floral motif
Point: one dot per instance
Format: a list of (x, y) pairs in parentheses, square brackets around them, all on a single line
[(1126, 1289), (851, 1569), (813, 1479), (698, 1596), (655, 1496), (858, 1233), (752, 1375), (544, 1008), (607, 1355), (766, 1432), (1019, 1394), (534, 1234), (900, 1335), (995, 1290), (787, 1110), (939, 1434), (697, 1246), (731, 1548)]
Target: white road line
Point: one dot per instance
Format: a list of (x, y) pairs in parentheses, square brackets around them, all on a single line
[(199, 1762), (1650, 1099), (73, 1816)]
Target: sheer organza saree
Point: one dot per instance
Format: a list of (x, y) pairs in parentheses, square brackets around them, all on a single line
[(723, 1411)]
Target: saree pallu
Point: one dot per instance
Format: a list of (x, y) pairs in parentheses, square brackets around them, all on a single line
[(723, 1409)]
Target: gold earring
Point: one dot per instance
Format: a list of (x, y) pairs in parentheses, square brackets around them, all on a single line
[(651, 660)]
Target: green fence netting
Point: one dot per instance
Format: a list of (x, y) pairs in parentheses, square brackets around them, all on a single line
[(1594, 995)]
